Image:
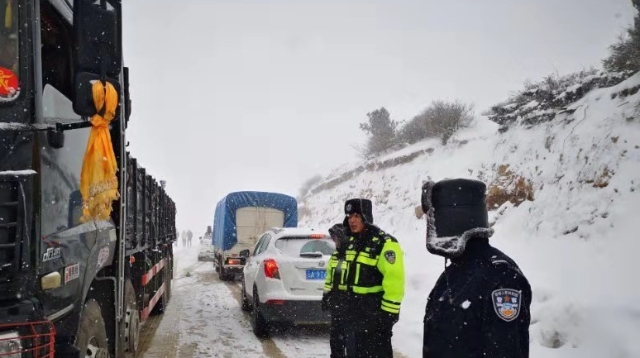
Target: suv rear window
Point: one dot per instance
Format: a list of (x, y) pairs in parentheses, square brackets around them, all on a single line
[(295, 246)]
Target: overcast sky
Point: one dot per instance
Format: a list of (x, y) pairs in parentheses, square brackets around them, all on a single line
[(237, 95)]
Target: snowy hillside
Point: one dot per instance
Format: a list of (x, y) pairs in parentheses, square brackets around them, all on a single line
[(574, 183)]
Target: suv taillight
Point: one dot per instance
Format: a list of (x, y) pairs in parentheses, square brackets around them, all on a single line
[(271, 269)]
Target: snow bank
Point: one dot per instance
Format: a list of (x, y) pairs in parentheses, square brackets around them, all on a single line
[(576, 240)]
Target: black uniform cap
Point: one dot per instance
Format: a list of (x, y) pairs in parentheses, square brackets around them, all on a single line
[(459, 205)]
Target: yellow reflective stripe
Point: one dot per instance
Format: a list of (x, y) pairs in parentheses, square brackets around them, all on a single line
[(342, 287), (367, 261), (357, 273), (390, 302), (390, 306), (342, 273), (365, 290), (327, 287), (390, 310)]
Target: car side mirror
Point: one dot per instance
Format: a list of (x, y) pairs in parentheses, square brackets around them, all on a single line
[(245, 253), (97, 34), (83, 103)]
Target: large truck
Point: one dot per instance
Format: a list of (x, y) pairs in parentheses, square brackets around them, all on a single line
[(240, 218), (73, 285)]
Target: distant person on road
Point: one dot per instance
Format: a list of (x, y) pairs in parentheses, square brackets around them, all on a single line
[(184, 239), (189, 236), (479, 306), (375, 281), (334, 298)]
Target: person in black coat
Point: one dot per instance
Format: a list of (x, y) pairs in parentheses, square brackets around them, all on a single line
[(479, 307)]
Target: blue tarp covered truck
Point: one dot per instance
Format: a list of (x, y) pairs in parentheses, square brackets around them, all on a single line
[(240, 218)]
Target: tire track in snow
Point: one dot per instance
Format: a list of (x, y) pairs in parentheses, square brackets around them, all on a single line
[(156, 341), (204, 319), (293, 342), (307, 342), (212, 323), (269, 347)]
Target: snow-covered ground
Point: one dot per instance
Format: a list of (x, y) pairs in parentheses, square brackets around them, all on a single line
[(206, 314), (577, 241)]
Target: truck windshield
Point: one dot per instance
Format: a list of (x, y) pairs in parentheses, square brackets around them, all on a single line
[(9, 82)]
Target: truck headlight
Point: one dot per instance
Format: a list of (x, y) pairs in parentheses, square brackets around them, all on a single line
[(10, 343)]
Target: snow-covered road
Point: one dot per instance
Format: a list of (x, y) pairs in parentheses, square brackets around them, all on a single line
[(204, 319)]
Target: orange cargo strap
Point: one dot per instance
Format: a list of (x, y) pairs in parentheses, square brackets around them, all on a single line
[(98, 180)]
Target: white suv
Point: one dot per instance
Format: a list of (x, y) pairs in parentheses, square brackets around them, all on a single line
[(284, 278)]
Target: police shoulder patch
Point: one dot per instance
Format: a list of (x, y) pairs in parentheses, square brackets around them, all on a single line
[(390, 256), (506, 303)]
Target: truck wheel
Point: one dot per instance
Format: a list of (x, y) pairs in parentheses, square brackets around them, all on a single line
[(131, 323), (167, 287), (259, 324), (224, 276), (91, 340), (162, 303), (246, 306)]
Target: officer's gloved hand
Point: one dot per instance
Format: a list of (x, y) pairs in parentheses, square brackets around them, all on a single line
[(388, 319), (325, 301)]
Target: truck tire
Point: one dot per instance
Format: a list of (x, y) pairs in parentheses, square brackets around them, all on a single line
[(131, 323), (91, 340), (259, 324), (162, 303), (224, 276), (167, 287)]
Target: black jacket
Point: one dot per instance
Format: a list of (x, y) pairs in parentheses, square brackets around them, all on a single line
[(479, 307)]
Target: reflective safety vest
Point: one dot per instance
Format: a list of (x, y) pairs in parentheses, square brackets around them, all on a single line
[(336, 273), (376, 267)]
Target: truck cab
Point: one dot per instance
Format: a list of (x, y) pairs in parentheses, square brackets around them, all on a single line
[(72, 286)]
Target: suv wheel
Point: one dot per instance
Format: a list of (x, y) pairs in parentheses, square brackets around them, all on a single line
[(246, 306), (258, 322)]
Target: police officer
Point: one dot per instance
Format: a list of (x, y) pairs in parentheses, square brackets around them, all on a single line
[(479, 306), (375, 281), (335, 295)]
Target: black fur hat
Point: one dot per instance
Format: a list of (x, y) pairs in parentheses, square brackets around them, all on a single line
[(456, 212), (363, 207), (337, 230)]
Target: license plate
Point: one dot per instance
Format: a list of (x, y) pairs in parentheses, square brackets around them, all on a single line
[(316, 274)]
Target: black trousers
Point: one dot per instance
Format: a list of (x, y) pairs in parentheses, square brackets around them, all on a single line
[(373, 341), (340, 337)]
